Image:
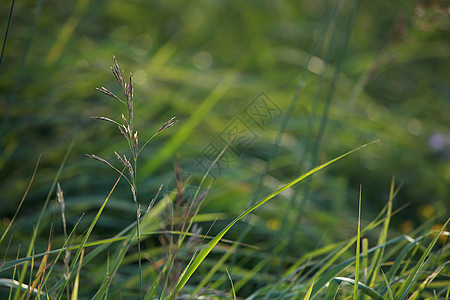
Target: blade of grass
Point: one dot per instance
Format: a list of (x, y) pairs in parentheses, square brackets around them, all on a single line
[(14, 275), (206, 278), (362, 287), (365, 247), (413, 275), (76, 284), (376, 260), (203, 253), (12, 98), (332, 289), (232, 286), (391, 296), (448, 292), (308, 294), (358, 246), (7, 30)]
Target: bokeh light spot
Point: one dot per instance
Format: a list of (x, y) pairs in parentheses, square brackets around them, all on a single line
[(140, 77), (202, 60), (316, 65), (414, 127)]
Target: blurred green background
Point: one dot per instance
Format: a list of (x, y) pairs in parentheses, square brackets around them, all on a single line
[(204, 62)]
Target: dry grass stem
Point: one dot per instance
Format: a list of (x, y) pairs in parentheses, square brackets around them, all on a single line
[(168, 124), (105, 119), (109, 93)]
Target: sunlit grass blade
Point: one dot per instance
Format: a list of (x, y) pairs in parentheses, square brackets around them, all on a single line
[(361, 286), (308, 294), (205, 251), (447, 295), (365, 249), (358, 248), (76, 284), (402, 294), (232, 285), (377, 257)]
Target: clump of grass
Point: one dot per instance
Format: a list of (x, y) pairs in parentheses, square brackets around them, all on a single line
[(399, 268)]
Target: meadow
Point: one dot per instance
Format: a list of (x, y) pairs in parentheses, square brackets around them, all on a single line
[(224, 150)]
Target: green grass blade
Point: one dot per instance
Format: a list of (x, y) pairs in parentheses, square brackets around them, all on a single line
[(448, 292), (205, 251), (215, 268), (362, 287), (308, 294), (232, 285), (376, 261), (7, 30), (391, 296), (358, 247), (413, 276), (332, 290), (76, 284)]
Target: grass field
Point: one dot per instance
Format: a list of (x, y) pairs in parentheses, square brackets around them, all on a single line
[(238, 150)]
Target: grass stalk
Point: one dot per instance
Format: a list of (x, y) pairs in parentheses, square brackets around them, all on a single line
[(358, 248), (7, 30)]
